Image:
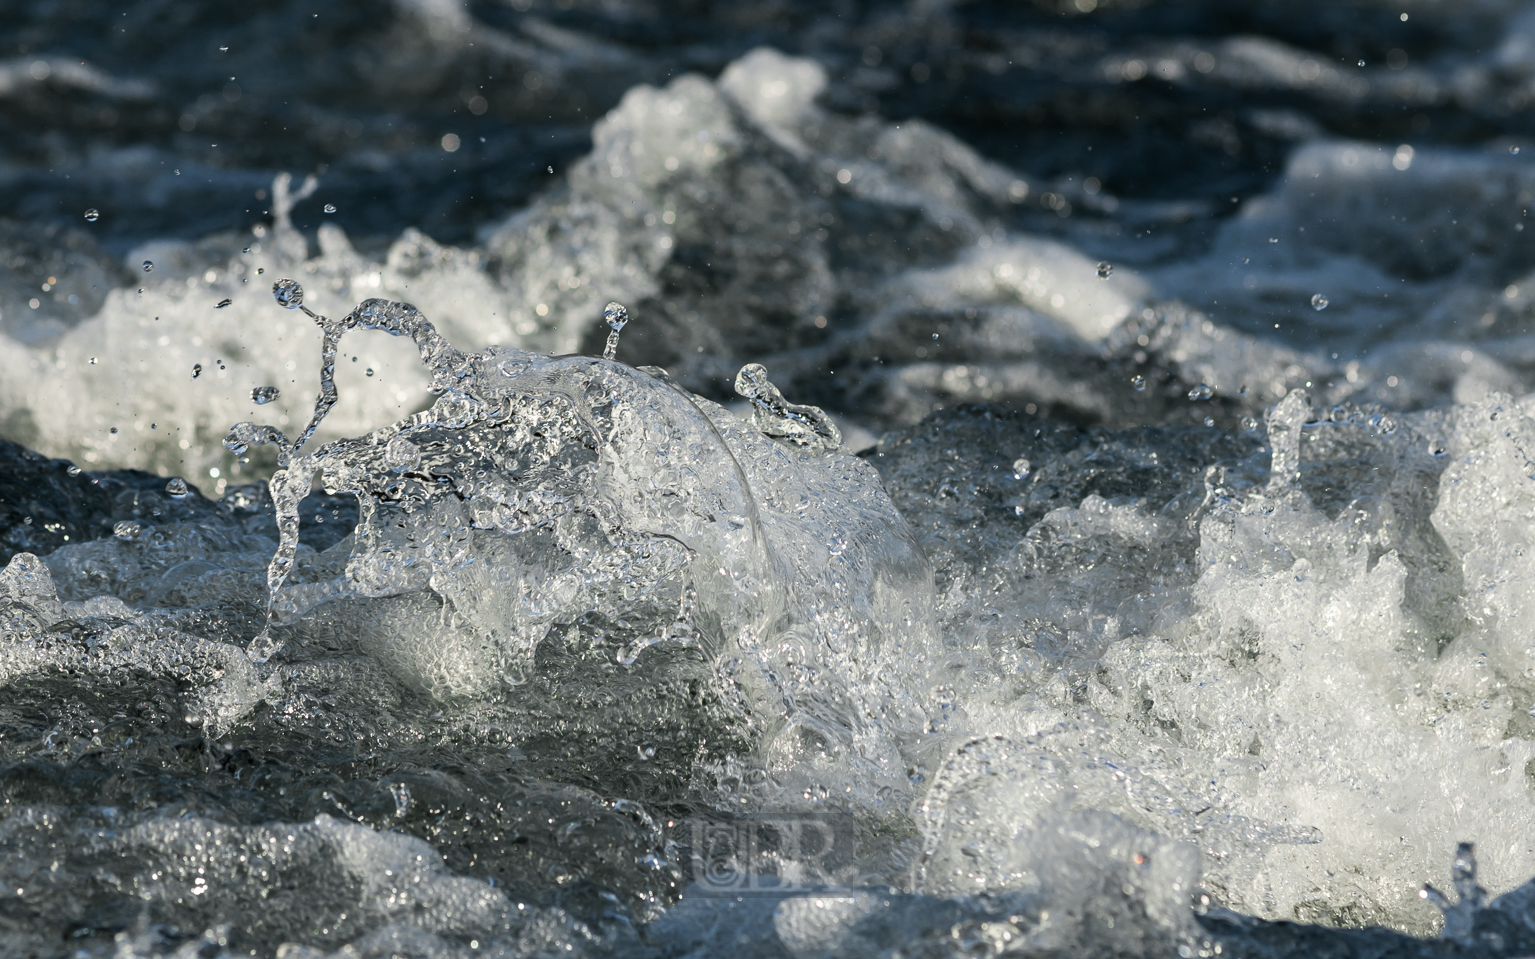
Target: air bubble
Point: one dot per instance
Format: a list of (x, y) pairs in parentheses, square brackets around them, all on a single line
[(262, 395), (92, 215), (1138, 382), (1318, 302), (288, 293), (177, 487), (1021, 468), (148, 266), (1249, 424), (1209, 421), (126, 529), (1201, 392), (330, 208), (1105, 270)]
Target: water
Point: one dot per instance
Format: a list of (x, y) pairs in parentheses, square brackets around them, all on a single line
[(909, 580)]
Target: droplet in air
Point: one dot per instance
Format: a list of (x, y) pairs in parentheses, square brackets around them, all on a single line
[(288, 293), (224, 49), (1273, 239), (1249, 424), (330, 208), (92, 215), (148, 266), (197, 370), (616, 316), (1318, 302), (1514, 150), (73, 471), (1105, 270), (126, 529), (1021, 468), (1201, 392), (177, 487), (93, 361), (223, 303), (1209, 421), (369, 371), (113, 431), (262, 395), (1138, 381)]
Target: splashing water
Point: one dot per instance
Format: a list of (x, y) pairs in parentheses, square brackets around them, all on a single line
[(616, 317), (537, 489)]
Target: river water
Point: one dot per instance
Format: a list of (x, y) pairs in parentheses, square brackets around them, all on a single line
[(598, 478)]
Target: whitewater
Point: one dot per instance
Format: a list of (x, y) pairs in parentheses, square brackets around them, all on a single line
[(790, 532)]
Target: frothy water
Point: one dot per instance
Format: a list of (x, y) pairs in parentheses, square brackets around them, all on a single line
[(1033, 594)]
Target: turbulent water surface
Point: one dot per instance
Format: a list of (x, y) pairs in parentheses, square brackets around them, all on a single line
[(599, 478)]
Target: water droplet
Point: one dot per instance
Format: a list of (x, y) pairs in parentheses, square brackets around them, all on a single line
[(1105, 270), (262, 395), (1438, 452), (1201, 392), (1021, 467), (369, 371), (288, 293), (223, 303), (1249, 424), (1209, 421), (1361, 63), (1514, 150), (177, 487), (126, 529), (330, 208), (224, 48), (148, 266), (1273, 239), (113, 431), (511, 368), (197, 370), (1138, 381), (93, 361), (73, 471), (616, 316), (92, 215), (1318, 302)]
